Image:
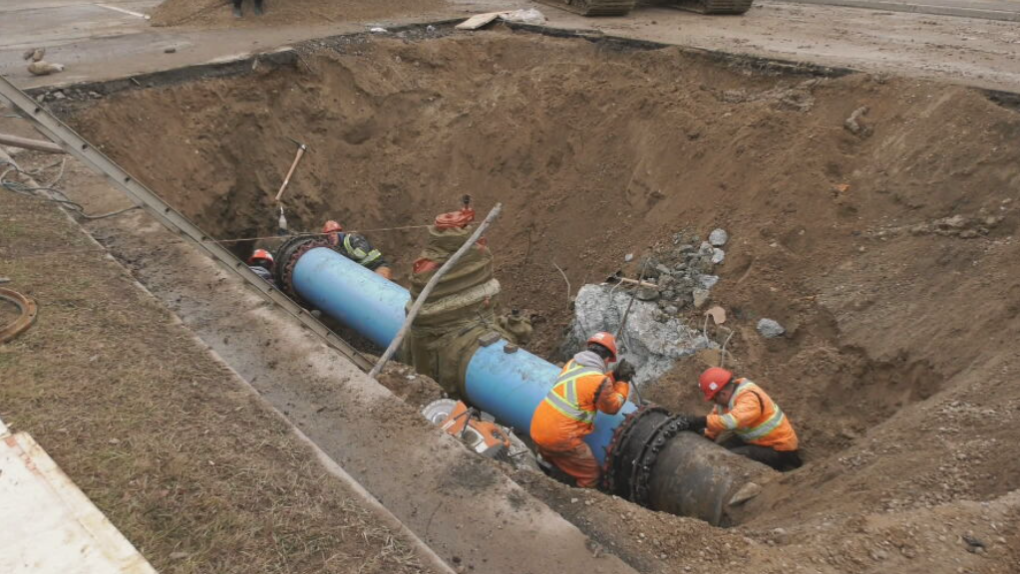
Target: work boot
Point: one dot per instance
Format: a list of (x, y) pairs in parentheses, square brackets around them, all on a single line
[(237, 9), (258, 8)]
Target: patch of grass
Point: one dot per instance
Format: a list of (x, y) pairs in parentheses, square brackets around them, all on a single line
[(192, 468)]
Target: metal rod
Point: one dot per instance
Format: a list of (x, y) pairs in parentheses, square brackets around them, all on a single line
[(395, 343), (623, 322), (37, 145)]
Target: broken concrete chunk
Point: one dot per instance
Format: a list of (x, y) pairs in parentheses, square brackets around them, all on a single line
[(652, 340), (709, 281), (700, 297), (718, 237), (746, 492), (718, 255), (770, 329)]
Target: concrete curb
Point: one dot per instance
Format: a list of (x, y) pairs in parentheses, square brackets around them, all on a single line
[(957, 11)]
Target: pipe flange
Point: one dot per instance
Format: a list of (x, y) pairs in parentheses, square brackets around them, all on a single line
[(646, 462), (28, 310), (288, 254), (613, 464)]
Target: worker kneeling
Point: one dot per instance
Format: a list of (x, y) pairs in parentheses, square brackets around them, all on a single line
[(567, 415), (763, 432)]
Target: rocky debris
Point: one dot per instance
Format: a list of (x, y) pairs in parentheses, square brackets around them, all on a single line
[(854, 125), (798, 98), (652, 340), (959, 226), (718, 256), (770, 329), (718, 237)]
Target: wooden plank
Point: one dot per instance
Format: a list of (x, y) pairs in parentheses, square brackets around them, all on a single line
[(480, 20), (51, 527)]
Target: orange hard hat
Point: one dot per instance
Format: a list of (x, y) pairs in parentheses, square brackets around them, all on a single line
[(607, 340), (713, 380), (332, 227), (260, 255)]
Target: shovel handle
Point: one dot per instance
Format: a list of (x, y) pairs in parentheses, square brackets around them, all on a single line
[(293, 166)]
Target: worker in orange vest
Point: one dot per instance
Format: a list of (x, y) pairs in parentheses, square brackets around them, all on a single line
[(567, 415), (762, 431)]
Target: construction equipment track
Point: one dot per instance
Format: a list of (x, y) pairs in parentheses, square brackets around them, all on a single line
[(594, 7), (715, 7)]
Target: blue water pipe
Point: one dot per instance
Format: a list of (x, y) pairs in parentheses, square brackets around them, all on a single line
[(509, 385), (351, 294)]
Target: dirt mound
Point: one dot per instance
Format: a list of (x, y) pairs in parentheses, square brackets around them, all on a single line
[(218, 13), (897, 364)]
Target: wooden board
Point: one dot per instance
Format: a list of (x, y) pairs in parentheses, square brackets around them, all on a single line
[(50, 526)]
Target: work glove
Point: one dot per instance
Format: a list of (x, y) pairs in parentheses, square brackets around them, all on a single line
[(624, 371), (697, 424)]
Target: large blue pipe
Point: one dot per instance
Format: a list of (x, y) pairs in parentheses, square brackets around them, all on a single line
[(508, 385), (351, 294)]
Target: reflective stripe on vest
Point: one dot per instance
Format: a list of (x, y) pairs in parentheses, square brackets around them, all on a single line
[(762, 430), (358, 254), (568, 405)]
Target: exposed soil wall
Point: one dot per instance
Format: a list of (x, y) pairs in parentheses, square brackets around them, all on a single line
[(889, 255)]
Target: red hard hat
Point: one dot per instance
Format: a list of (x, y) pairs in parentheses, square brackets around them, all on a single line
[(607, 340), (713, 380), (260, 255), (332, 227)]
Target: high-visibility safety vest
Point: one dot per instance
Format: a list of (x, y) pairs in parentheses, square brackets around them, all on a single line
[(771, 428), (563, 395), (358, 254)]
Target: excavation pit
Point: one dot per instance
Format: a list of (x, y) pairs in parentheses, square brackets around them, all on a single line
[(599, 149)]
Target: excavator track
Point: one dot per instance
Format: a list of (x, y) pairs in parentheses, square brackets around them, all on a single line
[(714, 6), (593, 7)]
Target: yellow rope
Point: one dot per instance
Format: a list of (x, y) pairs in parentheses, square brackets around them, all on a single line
[(358, 231)]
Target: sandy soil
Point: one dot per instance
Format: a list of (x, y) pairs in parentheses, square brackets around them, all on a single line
[(187, 462), (218, 13), (889, 257)]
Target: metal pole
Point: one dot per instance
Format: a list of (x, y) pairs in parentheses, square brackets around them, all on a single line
[(395, 343)]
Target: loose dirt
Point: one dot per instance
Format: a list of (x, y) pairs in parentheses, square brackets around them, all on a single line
[(218, 13), (187, 462), (890, 257)]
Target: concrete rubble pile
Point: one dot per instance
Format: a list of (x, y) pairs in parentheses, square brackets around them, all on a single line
[(656, 335)]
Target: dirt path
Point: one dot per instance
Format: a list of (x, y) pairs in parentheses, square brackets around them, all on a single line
[(961, 50), (185, 460)]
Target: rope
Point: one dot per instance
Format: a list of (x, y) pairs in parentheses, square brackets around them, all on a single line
[(359, 231), (58, 196)]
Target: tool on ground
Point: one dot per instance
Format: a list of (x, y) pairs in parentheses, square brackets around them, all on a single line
[(623, 323), (27, 312), (293, 166), (619, 278), (469, 425)]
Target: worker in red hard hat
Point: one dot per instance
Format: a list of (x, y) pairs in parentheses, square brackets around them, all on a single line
[(761, 430), (356, 248), (584, 387), (261, 263)]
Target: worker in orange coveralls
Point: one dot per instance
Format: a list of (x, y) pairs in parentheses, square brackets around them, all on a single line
[(567, 415), (762, 431)]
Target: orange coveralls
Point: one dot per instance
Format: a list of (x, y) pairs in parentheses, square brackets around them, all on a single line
[(567, 415), (754, 417)]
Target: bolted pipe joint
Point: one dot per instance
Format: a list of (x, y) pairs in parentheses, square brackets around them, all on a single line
[(655, 461)]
